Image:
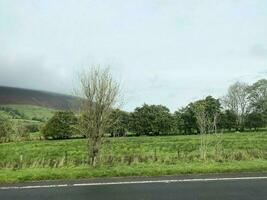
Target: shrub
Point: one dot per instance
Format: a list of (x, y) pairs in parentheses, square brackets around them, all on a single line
[(5, 129), (20, 130), (60, 126), (39, 119), (32, 128)]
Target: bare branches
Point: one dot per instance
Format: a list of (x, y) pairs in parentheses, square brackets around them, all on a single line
[(207, 123), (100, 93)]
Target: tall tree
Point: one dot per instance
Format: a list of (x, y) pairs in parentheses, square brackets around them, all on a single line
[(100, 94), (189, 121), (186, 118), (237, 100), (207, 111), (258, 99), (151, 120), (258, 92)]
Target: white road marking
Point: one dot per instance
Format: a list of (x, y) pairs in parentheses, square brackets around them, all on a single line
[(133, 182), (33, 186)]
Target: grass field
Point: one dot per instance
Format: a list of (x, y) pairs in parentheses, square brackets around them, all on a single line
[(127, 156)]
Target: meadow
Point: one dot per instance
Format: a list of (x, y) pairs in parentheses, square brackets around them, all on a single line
[(133, 156)]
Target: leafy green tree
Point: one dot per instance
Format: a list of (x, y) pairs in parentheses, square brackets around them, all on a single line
[(212, 106), (227, 120), (60, 126), (206, 112), (118, 124), (178, 122), (258, 99), (186, 119), (255, 120), (258, 92), (151, 120)]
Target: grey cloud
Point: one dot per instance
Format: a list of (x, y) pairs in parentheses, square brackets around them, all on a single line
[(31, 73)]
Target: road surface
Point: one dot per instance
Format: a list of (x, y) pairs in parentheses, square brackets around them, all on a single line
[(191, 187)]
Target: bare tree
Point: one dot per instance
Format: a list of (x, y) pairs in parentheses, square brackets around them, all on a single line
[(100, 94), (237, 100), (205, 125), (206, 112)]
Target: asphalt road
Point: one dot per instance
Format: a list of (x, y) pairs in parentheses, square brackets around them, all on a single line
[(206, 187)]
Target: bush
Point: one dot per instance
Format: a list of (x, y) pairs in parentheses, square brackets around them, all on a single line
[(5, 129), (39, 119), (32, 128), (20, 130), (60, 126)]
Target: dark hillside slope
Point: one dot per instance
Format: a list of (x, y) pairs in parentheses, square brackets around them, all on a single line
[(11, 95)]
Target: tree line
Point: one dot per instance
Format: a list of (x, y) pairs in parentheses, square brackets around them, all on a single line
[(244, 107)]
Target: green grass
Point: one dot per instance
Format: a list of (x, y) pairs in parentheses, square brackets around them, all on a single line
[(34, 174), (132, 156)]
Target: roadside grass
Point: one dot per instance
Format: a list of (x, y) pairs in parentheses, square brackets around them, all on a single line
[(133, 156), (68, 173)]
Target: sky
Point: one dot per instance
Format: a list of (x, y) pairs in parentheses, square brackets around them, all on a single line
[(161, 51)]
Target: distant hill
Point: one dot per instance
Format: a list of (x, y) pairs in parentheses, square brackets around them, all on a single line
[(28, 113), (19, 96)]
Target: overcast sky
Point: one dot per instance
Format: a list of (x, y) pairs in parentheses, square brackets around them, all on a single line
[(163, 52)]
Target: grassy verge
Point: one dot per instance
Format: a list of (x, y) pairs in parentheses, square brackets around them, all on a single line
[(33, 174), (133, 156)]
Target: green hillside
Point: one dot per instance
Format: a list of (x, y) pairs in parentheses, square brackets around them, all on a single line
[(26, 112), (26, 120)]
